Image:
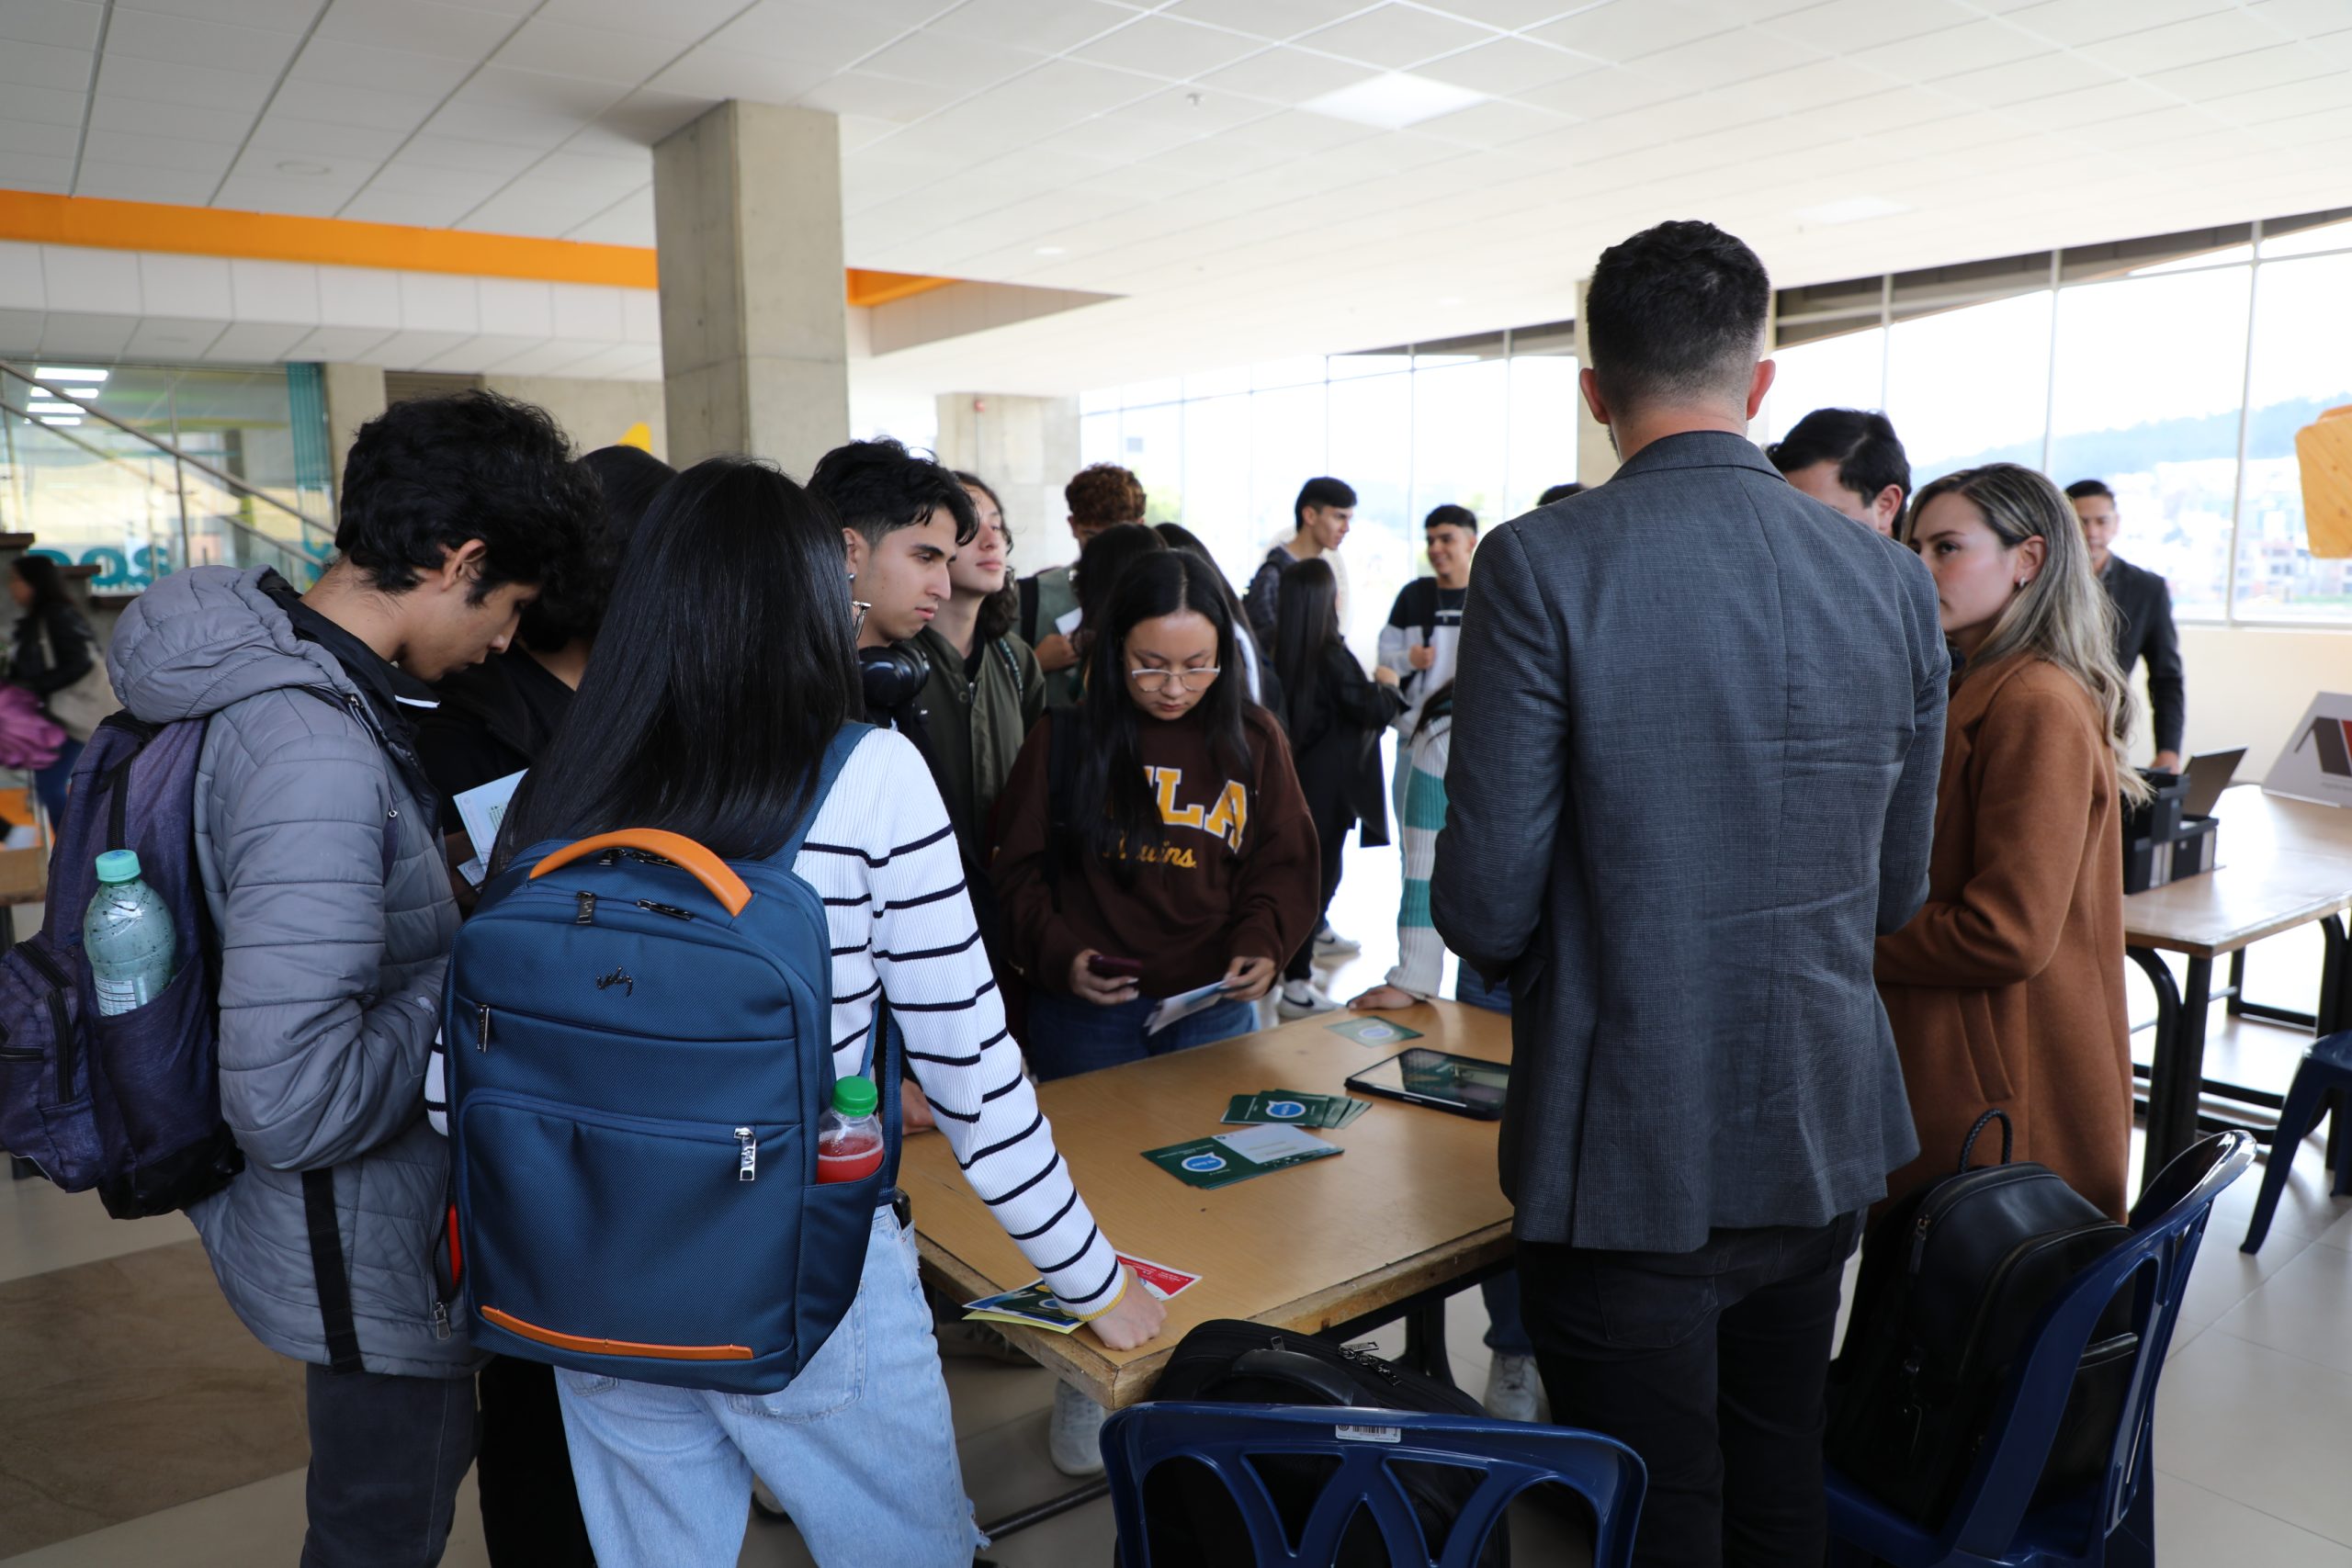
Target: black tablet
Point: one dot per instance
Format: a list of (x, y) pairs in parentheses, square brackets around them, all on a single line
[(1463, 1085)]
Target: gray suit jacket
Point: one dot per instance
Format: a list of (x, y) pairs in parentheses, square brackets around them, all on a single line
[(1697, 730)]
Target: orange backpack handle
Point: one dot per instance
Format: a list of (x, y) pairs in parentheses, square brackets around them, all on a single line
[(714, 873)]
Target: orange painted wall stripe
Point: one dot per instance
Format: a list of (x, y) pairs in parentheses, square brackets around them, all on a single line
[(100, 224)]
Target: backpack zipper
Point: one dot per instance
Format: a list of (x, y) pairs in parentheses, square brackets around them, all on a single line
[(747, 1167), (58, 1022), (481, 1039)]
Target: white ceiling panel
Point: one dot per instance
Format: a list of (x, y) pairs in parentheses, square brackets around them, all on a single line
[(407, 350), (48, 106), (880, 97), (1047, 27), (566, 49), (380, 69), (423, 26), (715, 72), (185, 41), (61, 23), (1507, 66), (1165, 47), (161, 82), (628, 221), (298, 196), (31, 138), (955, 66), (420, 210), (1396, 36), (2072, 23), (163, 338), (681, 21), (352, 106), (808, 34), (77, 332), (89, 281), (1267, 18), (335, 345), (113, 111), (271, 16)]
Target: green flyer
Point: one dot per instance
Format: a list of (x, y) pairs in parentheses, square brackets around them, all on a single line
[(1228, 1158), (1372, 1031)]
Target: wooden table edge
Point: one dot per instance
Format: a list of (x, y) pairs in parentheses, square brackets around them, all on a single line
[(1117, 1385)]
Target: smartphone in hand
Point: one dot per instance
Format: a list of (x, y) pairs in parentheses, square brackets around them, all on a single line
[(1110, 968)]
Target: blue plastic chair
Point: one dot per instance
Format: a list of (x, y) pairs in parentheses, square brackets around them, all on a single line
[(1513, 1455), (2321, 1082), (1994, 1524)]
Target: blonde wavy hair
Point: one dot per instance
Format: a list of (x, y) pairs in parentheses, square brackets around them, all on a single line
[(2062, 616)]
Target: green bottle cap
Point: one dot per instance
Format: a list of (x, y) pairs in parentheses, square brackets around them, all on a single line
[(118, 866), (855, 1097)]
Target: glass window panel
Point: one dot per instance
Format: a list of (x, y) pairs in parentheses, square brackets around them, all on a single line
[(1297, 372), (1461, 428), (1970, 385), (1347, 367), (1844, 372), (1286, 431), (2309, 242), (2149, 375), (2303, 365), (1216, 475), (1151, 442), (2227, 256), (1147, 394), (1371, 449), (1543, 400), (1217, 383), (1102, 399), (1098, 439)]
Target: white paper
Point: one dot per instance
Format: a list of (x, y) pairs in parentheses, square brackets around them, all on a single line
[(2311, 765), (1271, 1142), (1184, 1005), (483, 809), (1068, 623)]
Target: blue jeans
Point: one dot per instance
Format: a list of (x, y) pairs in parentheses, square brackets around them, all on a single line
[(1069, 1035), (860, 1449), (1506, 1330), (50, 784)]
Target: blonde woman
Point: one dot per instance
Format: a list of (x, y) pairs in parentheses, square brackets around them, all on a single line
[(2006, 989)]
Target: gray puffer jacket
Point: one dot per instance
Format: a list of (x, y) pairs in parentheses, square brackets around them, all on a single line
[(331, 968)]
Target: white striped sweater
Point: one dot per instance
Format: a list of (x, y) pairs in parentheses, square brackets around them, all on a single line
[(884, 859)]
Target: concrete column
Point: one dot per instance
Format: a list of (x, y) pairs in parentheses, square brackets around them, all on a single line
[(1027, 449), (747, 220), (1596, 458), (355, 395)]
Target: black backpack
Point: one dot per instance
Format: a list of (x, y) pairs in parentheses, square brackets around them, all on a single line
[(1192, 1519), (1953, 1279)]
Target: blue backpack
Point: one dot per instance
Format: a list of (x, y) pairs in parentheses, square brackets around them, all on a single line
[(638, 1039), (129, 1105)]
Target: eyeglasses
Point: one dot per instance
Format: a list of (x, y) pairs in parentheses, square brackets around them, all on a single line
[(1156, 680)]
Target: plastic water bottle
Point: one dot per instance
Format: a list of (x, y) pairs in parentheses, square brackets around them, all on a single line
[(849, 1137), (127, 934)]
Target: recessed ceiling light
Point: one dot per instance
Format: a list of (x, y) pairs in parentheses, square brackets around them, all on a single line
[(1052, 251), (1394, 101), (1852, 209), (68, 372), (296, 166)]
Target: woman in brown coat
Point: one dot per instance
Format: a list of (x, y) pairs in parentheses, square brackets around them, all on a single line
[(2006, 989)]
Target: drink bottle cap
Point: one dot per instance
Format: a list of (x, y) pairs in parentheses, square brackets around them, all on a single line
[(118, 866), (855, 1097)]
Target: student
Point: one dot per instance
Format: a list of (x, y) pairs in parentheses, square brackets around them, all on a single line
[(1320, 517), (2143, 627), (2006, 989), (1559, 492), (985, 689), (1178, 839), (733, 618), (1099, 567), (1265, 687), (1425, 624), (330, 897), (53, 650), (1513, 1391), (1099, 496), (1847, 459), (494, 720), (1656, 818), (1336, 716)]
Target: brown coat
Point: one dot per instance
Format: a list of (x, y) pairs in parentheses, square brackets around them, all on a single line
[(2007, 988)]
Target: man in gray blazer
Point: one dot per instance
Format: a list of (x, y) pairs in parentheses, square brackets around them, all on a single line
[(1698, 723)]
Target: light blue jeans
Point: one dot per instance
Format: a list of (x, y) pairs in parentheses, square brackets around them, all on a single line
[(860, 1449)]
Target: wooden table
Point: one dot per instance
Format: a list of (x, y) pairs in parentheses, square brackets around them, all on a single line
[(2283, 863), (1411, 1211)]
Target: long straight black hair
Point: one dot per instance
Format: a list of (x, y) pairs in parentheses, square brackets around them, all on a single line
[(1110, 762), (724, 668), (1308, 623)]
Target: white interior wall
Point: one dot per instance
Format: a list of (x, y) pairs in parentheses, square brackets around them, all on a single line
[(2247, 687)]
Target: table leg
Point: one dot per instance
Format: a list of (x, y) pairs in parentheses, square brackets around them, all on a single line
[(2237, 982), (2177, 1078), (1425, 1341), (1038, 1512)]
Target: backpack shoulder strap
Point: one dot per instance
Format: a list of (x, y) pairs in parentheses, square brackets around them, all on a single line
[(1428, 586), (1028, 590), (828, 772)]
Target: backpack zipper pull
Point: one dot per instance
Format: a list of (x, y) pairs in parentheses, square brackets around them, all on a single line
[(1919, 1240), (440, 1318), (482, 1036), (585, 907), (747, 1166)]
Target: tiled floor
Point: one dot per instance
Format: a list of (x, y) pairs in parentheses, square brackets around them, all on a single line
[(2252, 1416)]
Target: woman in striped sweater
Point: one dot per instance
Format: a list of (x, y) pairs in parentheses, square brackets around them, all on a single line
[(725, 667)]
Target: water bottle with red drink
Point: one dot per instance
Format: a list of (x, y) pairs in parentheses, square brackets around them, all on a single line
[(849, 1137)]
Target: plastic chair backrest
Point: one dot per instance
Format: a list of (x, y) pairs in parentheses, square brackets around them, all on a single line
[(2166, 1229), (1512, 1455)]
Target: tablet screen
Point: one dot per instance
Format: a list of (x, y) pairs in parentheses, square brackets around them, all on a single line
[(1462, 1082)]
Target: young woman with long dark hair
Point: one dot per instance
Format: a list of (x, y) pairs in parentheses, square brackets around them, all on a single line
[(55, 650), (725, 666), (1173, 849), (1336, 715)]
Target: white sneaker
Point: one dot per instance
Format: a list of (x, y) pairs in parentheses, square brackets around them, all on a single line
[(1075, 1438), (1512, 1389), (764, 1500), (1300, 999), (1330, 944)]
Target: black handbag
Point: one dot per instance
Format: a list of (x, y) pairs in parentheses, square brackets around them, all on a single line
[(1953, 1278), (1192, 1519)]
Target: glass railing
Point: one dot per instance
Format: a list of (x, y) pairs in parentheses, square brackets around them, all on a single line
[(93, 490)]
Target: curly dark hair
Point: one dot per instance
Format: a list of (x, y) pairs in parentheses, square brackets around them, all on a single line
[(429, 474), (1000, 610), (878, 486), (572, 600), (1104, 493)]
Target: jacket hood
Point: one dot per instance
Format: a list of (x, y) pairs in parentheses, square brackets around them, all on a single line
[(204, 638)]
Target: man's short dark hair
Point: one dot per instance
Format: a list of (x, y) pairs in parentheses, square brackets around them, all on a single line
[(428, 474), (1451, 517), (1675, 314), (1861, 442), (878, 487), (1559, 492), (1322, 491), (572, 600), (2083, 489)]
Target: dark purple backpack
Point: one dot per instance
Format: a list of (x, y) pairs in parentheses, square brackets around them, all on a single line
[(131, 1104)]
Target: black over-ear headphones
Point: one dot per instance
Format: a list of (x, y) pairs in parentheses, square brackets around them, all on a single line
[(892, 676)]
